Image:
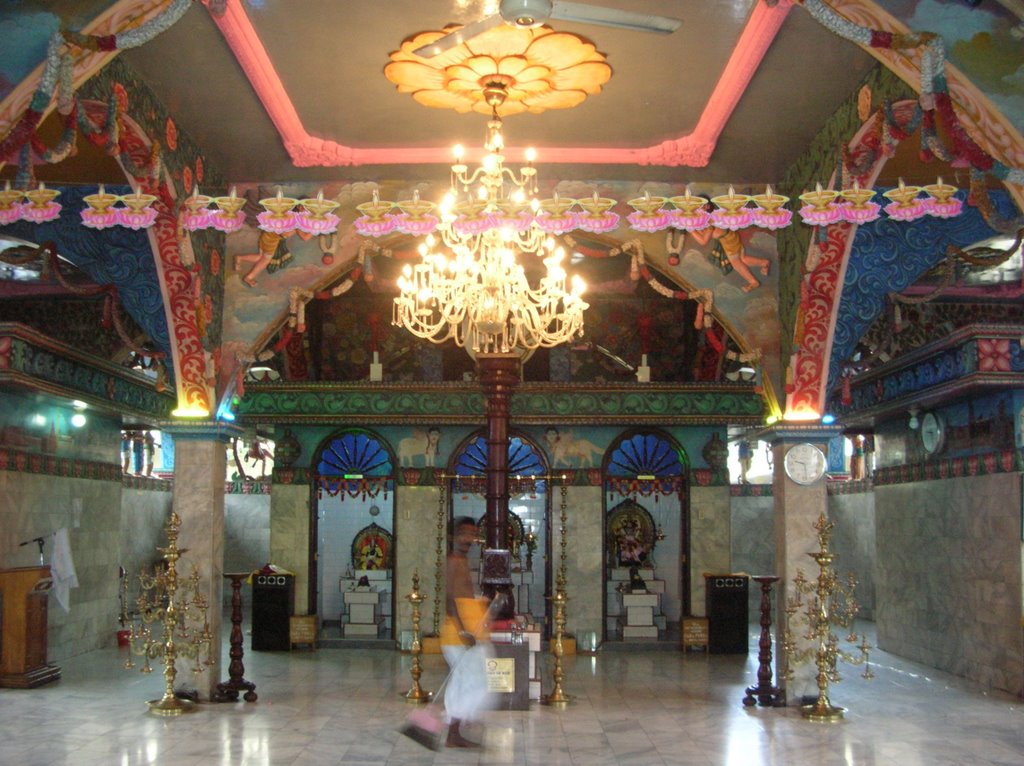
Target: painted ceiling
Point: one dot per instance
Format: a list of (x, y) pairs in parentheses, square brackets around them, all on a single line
[(295, 94)]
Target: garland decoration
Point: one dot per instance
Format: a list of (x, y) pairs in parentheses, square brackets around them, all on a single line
[(936, 106), (978, 257), (705, 298), (57, 80)]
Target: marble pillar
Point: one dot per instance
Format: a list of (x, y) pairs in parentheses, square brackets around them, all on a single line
[(416, 550), (199, 476), (797, 507), (584, 555)]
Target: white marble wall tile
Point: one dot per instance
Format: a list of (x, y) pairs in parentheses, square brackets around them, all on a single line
[(753, 542), (416, 538), (710, 539), (584, 556), (289, 536), (246, 539), (949, 575)]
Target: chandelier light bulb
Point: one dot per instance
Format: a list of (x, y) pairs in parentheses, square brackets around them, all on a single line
[(480, 296)]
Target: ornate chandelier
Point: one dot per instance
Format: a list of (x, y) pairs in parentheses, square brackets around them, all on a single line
[(478, 294)]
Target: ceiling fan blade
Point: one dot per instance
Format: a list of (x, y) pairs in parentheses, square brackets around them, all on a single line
[(614, 17), (459, 36)]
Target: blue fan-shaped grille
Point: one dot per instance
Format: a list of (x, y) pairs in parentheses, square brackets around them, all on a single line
[(523, 459), (645, 455), (354, 454)]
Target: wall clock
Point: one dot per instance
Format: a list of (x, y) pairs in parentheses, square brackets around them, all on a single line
[(933, 432), (804, 463)]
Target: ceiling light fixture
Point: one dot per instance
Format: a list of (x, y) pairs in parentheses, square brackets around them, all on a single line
[(479, 295)]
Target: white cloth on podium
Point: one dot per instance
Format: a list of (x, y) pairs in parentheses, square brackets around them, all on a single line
[(62, 568)]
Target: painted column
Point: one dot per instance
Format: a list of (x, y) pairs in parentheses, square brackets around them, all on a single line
[(200, 469)]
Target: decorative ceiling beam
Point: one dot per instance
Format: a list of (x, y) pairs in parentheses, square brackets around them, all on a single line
[(692, 150)]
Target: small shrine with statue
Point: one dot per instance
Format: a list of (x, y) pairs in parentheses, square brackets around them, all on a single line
[(633, 598), (366, 588)]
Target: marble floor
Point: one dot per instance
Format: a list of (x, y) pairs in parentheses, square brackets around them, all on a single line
[(635, 708)]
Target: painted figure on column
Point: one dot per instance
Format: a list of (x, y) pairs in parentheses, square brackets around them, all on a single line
[(857, 458)]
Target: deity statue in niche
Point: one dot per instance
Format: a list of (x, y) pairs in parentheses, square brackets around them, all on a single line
[(631, 550), (371, 548), (630, 536)]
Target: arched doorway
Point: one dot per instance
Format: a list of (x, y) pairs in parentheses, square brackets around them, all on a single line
[(352, 528), (529, 518), (646, 537)]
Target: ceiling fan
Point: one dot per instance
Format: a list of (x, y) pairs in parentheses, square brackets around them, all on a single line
[(533, 13)]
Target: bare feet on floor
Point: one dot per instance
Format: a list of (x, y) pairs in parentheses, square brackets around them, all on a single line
[(455, 738)]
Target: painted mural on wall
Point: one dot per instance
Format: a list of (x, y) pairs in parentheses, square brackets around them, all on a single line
[(567, 450), (269, 281), (421, 449), (579, 448)]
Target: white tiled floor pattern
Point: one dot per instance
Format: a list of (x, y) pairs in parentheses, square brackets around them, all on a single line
[(635, 708)]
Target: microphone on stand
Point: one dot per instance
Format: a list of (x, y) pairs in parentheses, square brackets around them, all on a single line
[(41, 542)]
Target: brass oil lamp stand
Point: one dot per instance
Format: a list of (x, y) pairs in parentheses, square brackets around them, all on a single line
[(557, 697), (830, 603), (416, 695), (180, 610), (442, 514)]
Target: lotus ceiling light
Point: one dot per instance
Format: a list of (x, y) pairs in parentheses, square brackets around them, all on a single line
[(539, 69)]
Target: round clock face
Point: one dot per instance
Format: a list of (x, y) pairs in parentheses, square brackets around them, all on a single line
[(804, 463), (933, 433)]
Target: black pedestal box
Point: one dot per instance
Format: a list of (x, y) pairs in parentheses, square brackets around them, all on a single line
[(726, 604), (273, 601)]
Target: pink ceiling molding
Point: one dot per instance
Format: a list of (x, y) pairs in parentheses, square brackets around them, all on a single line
[(693, 150)]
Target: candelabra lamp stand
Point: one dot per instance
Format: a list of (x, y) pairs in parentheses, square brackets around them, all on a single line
[(227, 691), (830, 603), (181, 612), (764, 693), (416, 695), (558, 697)]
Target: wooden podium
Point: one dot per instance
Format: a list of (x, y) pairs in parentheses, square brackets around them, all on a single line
[(23, 632)]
